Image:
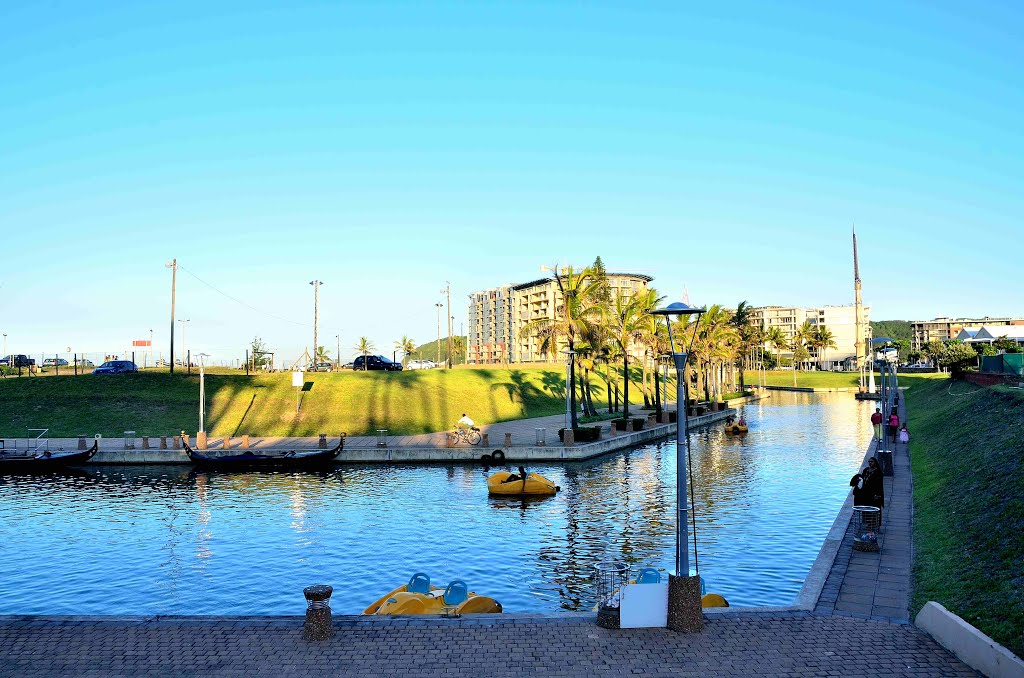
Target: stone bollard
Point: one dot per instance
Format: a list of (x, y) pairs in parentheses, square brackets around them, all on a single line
[(245, 442), (612, 431), (318, 612), (163, 442), (145, 442), (81, 442), (568, 437), (201, 440), (323, 441), (485, 440), (227, 442), (508, 439), (176, 442), (449, 440)]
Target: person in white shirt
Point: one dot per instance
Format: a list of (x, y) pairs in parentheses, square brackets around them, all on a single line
[(465, 423)]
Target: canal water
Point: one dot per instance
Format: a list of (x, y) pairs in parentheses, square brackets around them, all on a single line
[(171, 540)]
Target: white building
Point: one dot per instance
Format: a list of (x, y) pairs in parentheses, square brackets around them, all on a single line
[(840, 320)]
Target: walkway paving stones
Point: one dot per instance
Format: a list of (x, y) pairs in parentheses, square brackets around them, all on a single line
[(779, 644)]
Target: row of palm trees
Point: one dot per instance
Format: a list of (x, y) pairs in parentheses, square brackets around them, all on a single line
[(600, 329)]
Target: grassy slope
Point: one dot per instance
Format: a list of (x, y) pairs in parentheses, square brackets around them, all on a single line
[(806, 379), (356, 402), (966, 450)]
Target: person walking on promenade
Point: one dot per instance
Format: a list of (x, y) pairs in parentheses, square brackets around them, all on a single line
[(876, 421), (894, 424), (904, 434)]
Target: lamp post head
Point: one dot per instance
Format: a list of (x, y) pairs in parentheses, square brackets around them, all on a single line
[(679, 309)]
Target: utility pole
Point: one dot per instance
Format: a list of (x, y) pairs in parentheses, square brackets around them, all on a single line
[(437, 345), (173, 265), (337, 358), (448, 293), (316, 319)]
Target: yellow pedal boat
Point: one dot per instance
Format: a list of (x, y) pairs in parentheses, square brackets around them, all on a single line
[(419, 597), (534, 484), (736, 428)]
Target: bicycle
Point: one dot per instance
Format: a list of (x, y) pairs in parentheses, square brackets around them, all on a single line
[(470, 436)]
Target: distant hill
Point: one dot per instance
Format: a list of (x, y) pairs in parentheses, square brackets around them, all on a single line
[(894, 329), (429, 351)]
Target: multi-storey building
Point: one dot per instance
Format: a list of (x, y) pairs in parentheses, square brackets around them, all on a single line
[(840, 320), (943, 329), (497, 317)]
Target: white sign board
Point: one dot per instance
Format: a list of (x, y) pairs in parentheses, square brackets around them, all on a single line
[(298, 379), (644, 606)]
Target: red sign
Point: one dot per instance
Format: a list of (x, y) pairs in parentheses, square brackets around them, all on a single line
[(142, 342)]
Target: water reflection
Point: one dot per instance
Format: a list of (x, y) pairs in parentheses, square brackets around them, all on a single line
[(175, 540)]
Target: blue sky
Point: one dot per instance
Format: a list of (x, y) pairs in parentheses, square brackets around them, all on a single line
[(385, 148)]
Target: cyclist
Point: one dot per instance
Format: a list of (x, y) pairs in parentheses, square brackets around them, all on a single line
[(465, 424)]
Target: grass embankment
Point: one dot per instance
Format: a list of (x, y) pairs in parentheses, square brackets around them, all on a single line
[(966, 449), (410, 402), (806, 379)]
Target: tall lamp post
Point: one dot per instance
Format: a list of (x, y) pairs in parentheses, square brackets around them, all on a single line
[(684, 604), (202, 393), (184, 347), (570, 356)]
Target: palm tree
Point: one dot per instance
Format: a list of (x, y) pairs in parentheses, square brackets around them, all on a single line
[(747, 334), (407, 346), (805, 336), (823, 340), (714, 345), (626, 323), (364, 347), (576, 312), (777, 339), (321, 357)]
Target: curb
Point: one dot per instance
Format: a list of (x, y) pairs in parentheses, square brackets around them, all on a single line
[(970, 645)]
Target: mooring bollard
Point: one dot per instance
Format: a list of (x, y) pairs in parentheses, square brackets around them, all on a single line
[(323, 441), (227, 443), (201, 440), (245, 442), (485, 440), (176, 442), (568, 438), (163, 442), (508, 439), (81, 442), (318, 612), (145, 442)]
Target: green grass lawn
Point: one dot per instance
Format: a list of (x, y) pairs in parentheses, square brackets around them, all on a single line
[(966, 450), (157, 403), (807, 379)]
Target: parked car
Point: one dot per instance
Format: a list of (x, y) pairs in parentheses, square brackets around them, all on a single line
[(320, 367), (55, 362), (18, 360), (419, 365), (116, 367), (347, 366), (376, 362), (85, 362)]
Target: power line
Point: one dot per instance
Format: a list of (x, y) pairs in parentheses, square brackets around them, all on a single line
[(242, 303)]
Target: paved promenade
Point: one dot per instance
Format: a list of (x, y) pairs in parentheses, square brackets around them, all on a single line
[(780, 644)]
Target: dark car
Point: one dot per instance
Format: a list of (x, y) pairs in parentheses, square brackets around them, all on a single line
[(376, 362), (18, 361), (116, 367)]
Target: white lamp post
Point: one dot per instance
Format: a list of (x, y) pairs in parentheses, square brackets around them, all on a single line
[(202, 393), (684, 605)]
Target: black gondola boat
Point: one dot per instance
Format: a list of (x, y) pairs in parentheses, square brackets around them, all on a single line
[(44, 461), (251, 460)]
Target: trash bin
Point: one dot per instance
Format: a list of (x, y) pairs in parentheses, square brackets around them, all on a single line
[(382, 437), (867, 523), (610, 576), (129, 440), (540, 436)]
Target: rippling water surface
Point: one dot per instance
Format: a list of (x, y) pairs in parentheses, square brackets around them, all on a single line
[(170, 540)]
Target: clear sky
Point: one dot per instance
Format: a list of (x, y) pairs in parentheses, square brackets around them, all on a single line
[(385, 148)]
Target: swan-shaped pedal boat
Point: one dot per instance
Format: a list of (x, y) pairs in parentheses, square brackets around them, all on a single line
[(510, 484)]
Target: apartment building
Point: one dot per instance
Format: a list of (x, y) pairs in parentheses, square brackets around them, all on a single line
[(840, 320), (497, 316), (943, 329)]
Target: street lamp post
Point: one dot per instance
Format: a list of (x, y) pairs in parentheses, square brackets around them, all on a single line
[(337, 358), (570, 356), (202, 393), (684, 604), (184, 351), (173, 265)]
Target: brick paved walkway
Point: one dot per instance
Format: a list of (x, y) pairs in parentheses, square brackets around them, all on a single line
[(793, 644), (877, 585)]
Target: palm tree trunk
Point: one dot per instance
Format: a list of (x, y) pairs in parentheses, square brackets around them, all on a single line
[(625, 387)]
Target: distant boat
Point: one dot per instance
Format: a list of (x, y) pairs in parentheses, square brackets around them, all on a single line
[(37, 461), (250, 460)]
